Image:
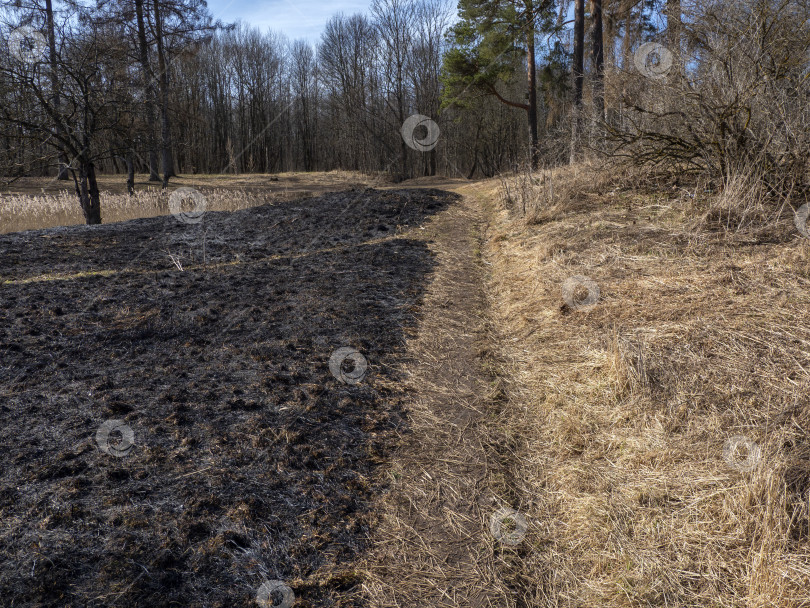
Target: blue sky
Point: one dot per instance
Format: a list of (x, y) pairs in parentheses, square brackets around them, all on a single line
[(294, 18)]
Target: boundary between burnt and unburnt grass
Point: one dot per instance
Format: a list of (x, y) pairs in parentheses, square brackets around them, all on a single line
[(656, 442), (434, 544)]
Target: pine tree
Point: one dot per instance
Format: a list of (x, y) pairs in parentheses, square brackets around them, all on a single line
[(491, 42)]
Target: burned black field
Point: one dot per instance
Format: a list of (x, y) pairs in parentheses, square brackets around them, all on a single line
[(250, 461)]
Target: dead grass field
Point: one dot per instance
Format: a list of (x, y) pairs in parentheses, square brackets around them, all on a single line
[(619, 413), (656, 441), (32, 203)]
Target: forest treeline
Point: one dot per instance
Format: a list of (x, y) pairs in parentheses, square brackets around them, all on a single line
[(161, 87)]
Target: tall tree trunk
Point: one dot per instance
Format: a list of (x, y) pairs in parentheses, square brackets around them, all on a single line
[(87, 191), (165, 127), (612, 30), (401, 109), (149, 93), (532, 77), (130, 160), (609, 20), (673, 12), (628, 39), (474, 165), (475, 151), (579, 76), (55, 98), (674, 26), (626, 17), (598, 61)]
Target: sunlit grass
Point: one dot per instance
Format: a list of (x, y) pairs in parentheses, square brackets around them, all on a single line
[(44, 203)]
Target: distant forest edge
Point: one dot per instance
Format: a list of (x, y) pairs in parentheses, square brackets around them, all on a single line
[(161, 87)]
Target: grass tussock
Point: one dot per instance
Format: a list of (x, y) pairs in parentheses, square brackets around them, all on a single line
[(663, 431)]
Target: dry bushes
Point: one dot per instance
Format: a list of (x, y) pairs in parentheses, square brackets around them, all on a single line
[(736, 94), (542, 196), (623, 412), (536, 196)]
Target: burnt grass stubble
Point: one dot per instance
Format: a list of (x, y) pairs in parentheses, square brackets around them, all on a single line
[(251, 461)]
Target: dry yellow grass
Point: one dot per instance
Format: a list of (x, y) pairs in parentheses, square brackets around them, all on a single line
[(621, 410), (33, 203), (609, 427)]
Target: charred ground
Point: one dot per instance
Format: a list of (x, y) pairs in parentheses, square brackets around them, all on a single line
[(251, 461)]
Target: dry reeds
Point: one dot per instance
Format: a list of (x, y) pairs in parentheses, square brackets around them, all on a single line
[(25, 212), (43, 203)]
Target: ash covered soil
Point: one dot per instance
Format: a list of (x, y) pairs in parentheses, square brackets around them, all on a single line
[(251, 461)]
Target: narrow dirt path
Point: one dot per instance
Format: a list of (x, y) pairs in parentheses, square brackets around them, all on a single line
[(433, 546)]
